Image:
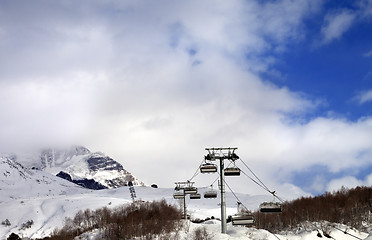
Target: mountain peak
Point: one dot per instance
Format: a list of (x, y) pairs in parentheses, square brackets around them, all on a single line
[(81, 164), (78, 150)]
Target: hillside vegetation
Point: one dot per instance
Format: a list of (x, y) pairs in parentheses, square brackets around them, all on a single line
[(158, 219), (139, 219), (351, 207)]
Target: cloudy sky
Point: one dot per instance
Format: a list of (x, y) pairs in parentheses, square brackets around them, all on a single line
[(153, 83)]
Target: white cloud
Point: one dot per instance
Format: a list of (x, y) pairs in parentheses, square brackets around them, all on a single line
[(368, 54), (366, 8), (120, 78), (41, 112), (364, 97), (336, 24), (318, 184), (348, 182)]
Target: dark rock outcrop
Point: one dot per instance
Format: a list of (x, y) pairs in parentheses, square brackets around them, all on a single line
[(87, 183)]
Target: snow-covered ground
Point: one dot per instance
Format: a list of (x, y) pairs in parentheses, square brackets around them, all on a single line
[(46, 200), (48, 212)]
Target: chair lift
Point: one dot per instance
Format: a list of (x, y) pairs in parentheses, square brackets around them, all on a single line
[(270, 207), (208, 168), (210, 194), (233, 171), (243, 218), (190, 190), (195, 196), (178, 195)]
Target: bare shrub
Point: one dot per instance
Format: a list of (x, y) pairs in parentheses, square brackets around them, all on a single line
[(6, 223), (140, 219), (26, 225), (143, 220), (201, 234), (346, 206)]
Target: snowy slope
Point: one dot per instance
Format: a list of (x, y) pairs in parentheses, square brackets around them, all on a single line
[(46, 200), (43, 198)]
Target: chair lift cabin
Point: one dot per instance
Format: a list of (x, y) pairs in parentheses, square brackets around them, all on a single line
[(208, 168), (190, 190), (233, 171), (210, 194), (195, 196), (270, 207), (178, 195), (243, 219)]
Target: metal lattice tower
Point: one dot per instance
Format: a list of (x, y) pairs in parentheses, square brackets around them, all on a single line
[(133, 194)]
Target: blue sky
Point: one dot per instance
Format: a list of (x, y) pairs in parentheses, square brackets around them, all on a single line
[(153, 84), (337, 72)]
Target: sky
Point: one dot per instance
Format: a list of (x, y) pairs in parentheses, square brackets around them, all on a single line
[(154, 83)]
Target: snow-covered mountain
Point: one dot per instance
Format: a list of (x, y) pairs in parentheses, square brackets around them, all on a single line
[(14, 177), (80, 164), (33, 203)]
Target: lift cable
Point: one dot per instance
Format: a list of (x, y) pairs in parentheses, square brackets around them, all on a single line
[(261, 184), (218, 176), (271, 192), (264, 186), (215, 180), (254, 181), (196, 172), (243, 204), (235, 195), (210, 185)]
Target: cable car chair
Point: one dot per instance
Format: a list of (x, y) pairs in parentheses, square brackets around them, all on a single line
[(190, 190), (178, 195), (271, 207), (208, 168), (232, 171), (210, 194), (195, 196), (243, 219)]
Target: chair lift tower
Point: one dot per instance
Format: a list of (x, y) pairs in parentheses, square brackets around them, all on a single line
[(182, 189), (221, 154)]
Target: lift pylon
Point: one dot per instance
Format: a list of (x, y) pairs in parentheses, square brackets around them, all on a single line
[(182, 189), (222, 154)]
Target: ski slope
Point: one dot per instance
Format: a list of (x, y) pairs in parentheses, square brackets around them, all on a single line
[(48, 212), (46, 200)]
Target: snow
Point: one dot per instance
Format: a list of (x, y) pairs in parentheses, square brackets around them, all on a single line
[(47, 200), (74, 162), (213, 228), (369, 237)]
